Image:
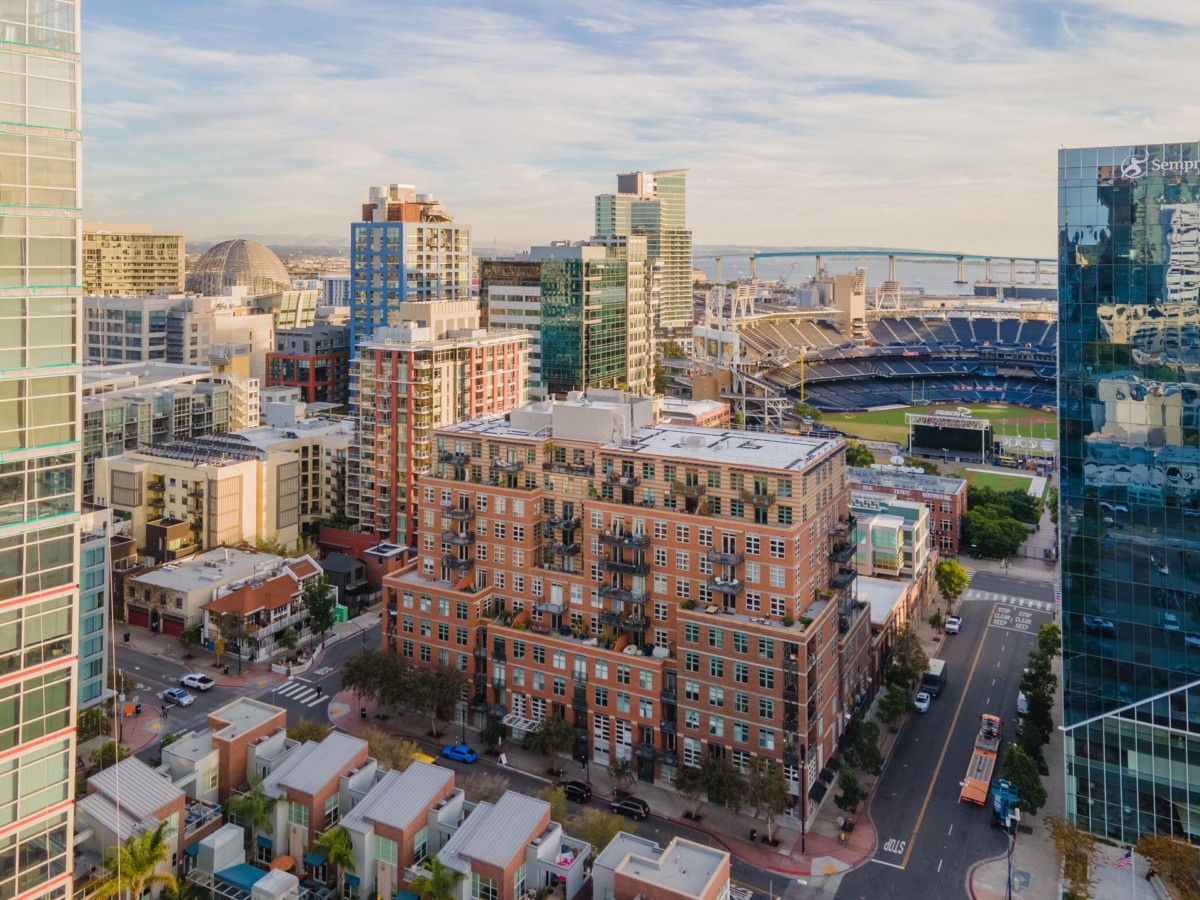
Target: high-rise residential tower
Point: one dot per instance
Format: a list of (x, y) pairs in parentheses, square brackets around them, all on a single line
[(1129, 399), (406, 247), (655, 204), (130, 260), (40, 294)]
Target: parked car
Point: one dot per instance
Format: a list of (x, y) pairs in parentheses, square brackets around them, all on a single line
[(634, 807), (953, 624), (1022, 704), (178, 696), (197, 681), (577, 791), (460, 753), (1095, 623), (921, 703)]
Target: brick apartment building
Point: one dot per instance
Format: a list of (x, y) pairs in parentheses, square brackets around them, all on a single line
[(672, 591), (945, 498)]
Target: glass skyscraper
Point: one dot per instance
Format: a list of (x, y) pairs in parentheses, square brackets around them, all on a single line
[(40, 295), (1129, 362)]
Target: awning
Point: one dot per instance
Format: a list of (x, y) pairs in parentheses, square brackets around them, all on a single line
[(314, 859), (351, 879), (405, 895), (818, 791), (826, 775), (265, 842), (242, 876), (192, 849)]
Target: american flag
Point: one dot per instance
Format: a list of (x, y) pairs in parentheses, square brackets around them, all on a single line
[(1126, 860)]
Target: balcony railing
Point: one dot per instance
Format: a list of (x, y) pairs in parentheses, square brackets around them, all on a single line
[(558, 548), (156, 484), (509, 466), (563, 468), (458, 538), (758, 499), (634, 622), (622, 567), (721, 558), (624, 479), (615, 592), (560, 522), (843, 579), (841, 552), (282, 624), (459, 565), (454, 459), (625, 539), (729, 586), (691, 491), (458, 513)]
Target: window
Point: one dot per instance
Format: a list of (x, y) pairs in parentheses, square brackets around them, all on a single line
[(766, 648), (716, 667), (741, 732), (518, 648), (766, 707), (691, 719), (622, 673), (519, 881), (741, 701), (386, 851), (753, 601), (601, 696), (682, 534), (683, 561), (601, 669), (560, 686), (741, 644), (539, 655), (752, 546), (691, 661), (705, 537), (622, 702), (483, 888), (776, 576), (646, 708), (298, 814), (716, 726), (778, 605), (560, 660), (660, 611), (660, 561), (691, 691), (766, 679), (766, 739), (691, 632), (660, 530), (716, 696), (777, 548), (331, 812), (716, 638), (645, 679), (741, 672)]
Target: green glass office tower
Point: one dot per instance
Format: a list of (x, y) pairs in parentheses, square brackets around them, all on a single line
[(1129, 361), (654, 204)]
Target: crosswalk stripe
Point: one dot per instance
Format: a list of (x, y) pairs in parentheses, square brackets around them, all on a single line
[(993, 597), (293, 688), (321, 698)]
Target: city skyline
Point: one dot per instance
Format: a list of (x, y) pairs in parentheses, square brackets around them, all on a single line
[(800, 124)]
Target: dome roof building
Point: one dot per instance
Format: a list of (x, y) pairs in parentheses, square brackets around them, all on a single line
[(238, 263)]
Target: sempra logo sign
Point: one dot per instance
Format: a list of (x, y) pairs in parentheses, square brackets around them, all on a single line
[(1136, 166)]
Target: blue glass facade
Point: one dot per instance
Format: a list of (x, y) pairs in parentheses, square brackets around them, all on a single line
[(1129, 397)]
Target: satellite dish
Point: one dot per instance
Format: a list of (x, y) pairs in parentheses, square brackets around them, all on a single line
[(897, 460)]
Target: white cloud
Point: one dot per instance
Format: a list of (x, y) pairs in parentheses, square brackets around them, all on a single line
[(928, 123)]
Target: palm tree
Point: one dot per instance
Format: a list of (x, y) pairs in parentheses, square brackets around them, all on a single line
[(255, 808), (439, 883), (132, 866), (339, 851)]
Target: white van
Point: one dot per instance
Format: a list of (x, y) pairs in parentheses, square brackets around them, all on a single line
[(1022, 704)]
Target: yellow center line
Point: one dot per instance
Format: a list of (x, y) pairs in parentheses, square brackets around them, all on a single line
[(946, 744)]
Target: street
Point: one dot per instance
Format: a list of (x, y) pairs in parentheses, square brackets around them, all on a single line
[(923, 827)]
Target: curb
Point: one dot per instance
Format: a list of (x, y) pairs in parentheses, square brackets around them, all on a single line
[(975, 868)]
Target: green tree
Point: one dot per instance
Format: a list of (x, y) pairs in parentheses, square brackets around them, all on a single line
[(689, 781), (436, 693), (288, 639), (1022, 770), (935, 620), (859, 454), (554, 736), (1052, 502), (253, 807), (807, 411), (1049, 641), (107, 754), (952, 579), (492, 733), (133, 865), (660, 377), (894, 703), (556, 796), (598, 828), (927, 466), (1032, 742), (338, 848), (672, 350), (622, 774), (380, 675), (767, 791), (437, 881), (190, 638), (308, 730), (723, 782), (319, 600), (862, 745), (1076, 850), (908, 662), (851, 792)]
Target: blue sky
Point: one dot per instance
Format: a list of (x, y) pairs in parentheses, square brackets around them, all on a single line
[(919, 123)]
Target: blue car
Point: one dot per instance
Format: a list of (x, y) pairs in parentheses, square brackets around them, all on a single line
[(460, 753)]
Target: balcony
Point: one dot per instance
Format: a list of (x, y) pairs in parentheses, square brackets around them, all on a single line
[(454, 459), (621, 567), (843, 579), (479, 652), (156, 484), (616, 592), (691, 491), (458, 565), (282, 624), (720, 558), (563, 468), (841, 552), (570, 523), (790, 665), (611, 619), (197, 814), (196, 492), (509, 467), (634, 622), (758, 499), (479, 703), (624, 539), (499, 654), (458, 538), (668, 727), (558, 548), (458, 513), (669, 695), (480, 679), (157, 502), (729, 586), (624, 479), (639, 597)]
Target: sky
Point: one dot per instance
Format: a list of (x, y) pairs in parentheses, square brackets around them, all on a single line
[(929, 124)]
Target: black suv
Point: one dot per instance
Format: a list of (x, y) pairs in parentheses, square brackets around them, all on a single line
[(577, 791), (633, 807)]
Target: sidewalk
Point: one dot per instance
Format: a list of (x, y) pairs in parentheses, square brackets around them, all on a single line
[(822, 854)]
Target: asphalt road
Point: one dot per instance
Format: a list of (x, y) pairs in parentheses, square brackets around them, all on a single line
[(928, 839)]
